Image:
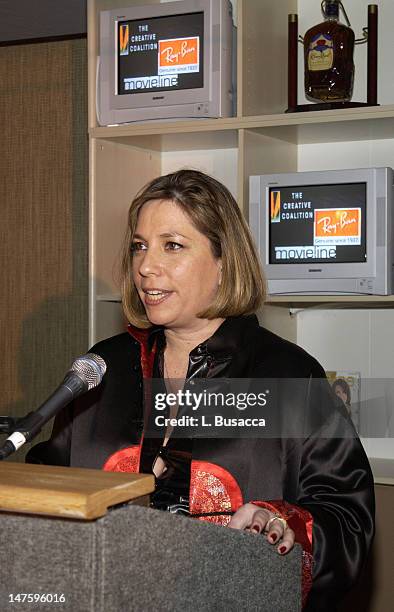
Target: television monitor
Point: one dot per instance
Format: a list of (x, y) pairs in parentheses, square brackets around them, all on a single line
[(163, 61), (325, 232)]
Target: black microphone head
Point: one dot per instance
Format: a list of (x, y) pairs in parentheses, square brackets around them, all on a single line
[(90, 369)]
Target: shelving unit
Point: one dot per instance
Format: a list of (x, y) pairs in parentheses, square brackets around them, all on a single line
[(262, 138), (353, 333), (123, 158)]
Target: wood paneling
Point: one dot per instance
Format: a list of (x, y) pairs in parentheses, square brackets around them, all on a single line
[(44, 218)]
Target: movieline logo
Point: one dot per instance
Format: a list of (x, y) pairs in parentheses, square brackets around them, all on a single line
[(275, 206), (304, 252)]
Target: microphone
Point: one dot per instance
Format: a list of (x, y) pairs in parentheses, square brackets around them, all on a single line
[(85, 373)]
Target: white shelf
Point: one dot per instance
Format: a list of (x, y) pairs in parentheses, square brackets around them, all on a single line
[(365, 123), (353, 301)]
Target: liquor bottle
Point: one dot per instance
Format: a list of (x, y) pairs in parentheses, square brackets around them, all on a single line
[(328, 55)]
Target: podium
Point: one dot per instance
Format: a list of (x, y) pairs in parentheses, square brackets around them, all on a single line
[(124, 556)]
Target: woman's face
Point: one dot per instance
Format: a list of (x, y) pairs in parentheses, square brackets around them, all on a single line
[(174, 270)]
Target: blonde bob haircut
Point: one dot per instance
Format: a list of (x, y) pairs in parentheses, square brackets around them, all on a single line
[(215, 213)]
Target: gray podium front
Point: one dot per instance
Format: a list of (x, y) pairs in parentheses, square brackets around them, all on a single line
[(136, 558)]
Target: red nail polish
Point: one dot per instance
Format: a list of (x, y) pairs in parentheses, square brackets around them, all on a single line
[(274, 537), (282, 549)]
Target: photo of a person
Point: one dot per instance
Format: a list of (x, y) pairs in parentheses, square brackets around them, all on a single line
[(342, 390), (346, 386)]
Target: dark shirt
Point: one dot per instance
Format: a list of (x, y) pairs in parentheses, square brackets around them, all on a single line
[(172, 486)]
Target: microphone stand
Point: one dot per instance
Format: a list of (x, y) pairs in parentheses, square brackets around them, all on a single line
[(7, 424), (28, 427)]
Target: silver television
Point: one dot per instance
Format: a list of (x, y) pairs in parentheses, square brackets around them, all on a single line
[(325, 232), (164, 61)]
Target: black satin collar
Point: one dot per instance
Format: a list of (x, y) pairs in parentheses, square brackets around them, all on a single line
[(229, 337)]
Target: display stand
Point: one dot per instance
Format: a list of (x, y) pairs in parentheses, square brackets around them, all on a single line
[(135, 558)]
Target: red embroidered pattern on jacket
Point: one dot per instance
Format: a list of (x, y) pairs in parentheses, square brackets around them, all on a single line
[(306, 578), (213, 489), (301, 522), (125, 460)]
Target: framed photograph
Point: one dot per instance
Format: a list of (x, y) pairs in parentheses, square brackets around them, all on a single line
[(347, 386)]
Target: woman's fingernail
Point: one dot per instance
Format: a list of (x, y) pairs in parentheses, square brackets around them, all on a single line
[(274, 537), (282, 549)]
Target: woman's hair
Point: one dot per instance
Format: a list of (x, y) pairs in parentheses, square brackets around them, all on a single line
[(342, 384), (215, 213)]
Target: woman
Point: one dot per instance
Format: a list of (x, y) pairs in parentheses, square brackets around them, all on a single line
[(191, 283)]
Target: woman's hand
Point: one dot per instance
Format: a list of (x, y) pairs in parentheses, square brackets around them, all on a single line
[(259, 520)]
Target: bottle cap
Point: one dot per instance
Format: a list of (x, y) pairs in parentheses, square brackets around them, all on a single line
[(331, 8)]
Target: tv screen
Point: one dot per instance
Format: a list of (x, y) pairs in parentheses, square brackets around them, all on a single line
[(161, 54), (167, 60), (318, 224)]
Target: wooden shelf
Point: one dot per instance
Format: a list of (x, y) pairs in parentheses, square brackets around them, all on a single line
[(146, 128), (355, 301), (366, 123), (343, 301)]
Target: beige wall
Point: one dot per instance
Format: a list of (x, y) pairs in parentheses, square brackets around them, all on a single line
[(44, 218)]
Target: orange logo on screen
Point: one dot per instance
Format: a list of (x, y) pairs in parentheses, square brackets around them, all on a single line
[(123, 38), (178, 52), (337, 222), (275, 206)]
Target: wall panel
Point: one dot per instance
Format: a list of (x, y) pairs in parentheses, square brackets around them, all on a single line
[(44, 217)]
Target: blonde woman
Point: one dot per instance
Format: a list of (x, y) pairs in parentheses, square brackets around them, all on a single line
[(191, 285)]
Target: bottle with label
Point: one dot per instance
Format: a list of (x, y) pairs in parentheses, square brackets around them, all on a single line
[(328, 55)]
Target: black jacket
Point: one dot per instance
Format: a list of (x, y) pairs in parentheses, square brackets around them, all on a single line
[(319, 464)]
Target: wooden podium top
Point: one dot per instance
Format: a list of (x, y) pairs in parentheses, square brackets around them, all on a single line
[(77, 493)]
